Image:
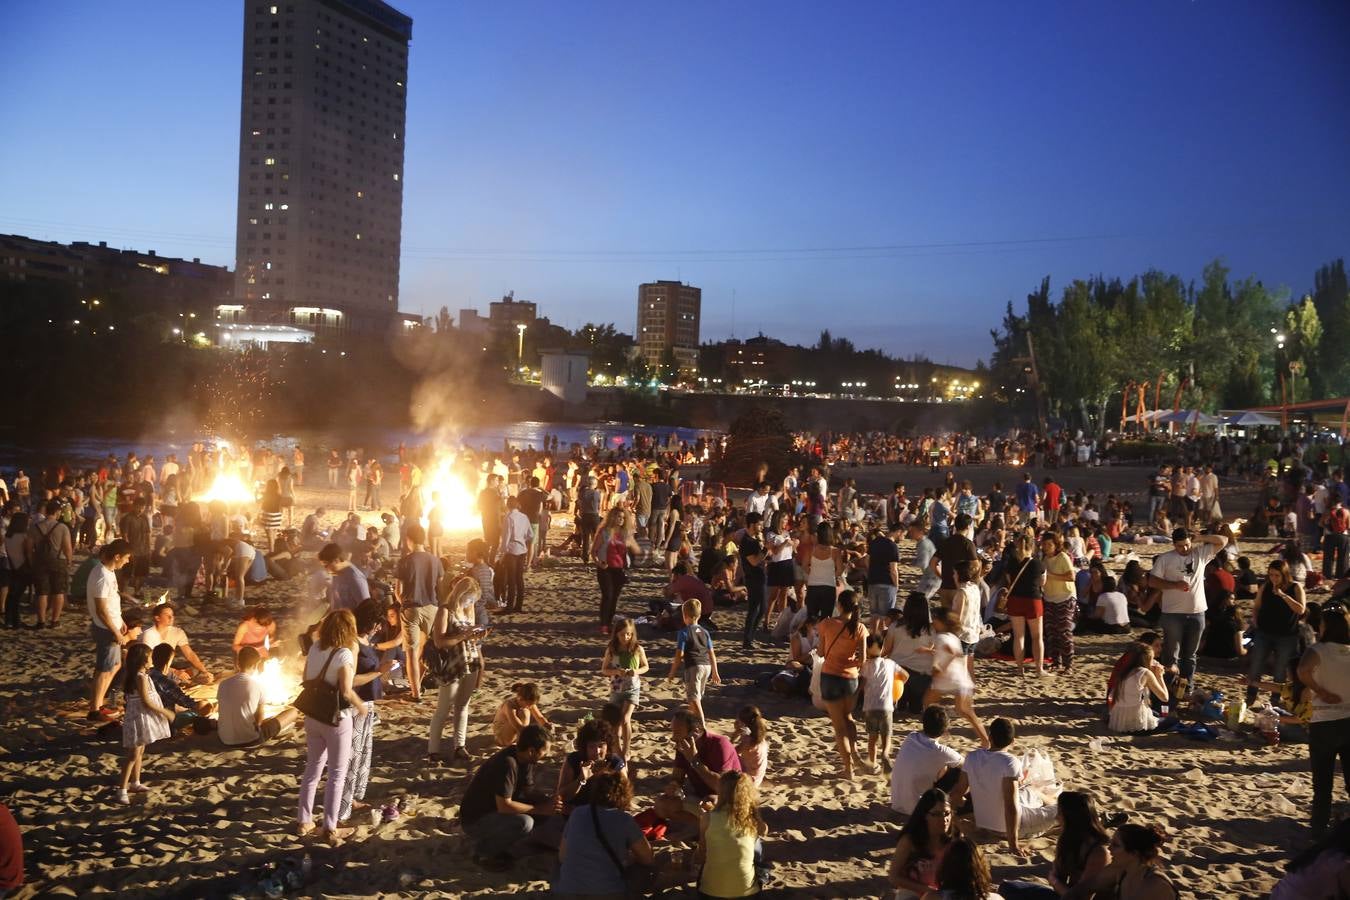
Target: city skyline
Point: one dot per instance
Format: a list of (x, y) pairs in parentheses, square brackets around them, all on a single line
[(933, 163)]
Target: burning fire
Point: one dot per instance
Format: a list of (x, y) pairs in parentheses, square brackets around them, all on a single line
[(278, 690), (458, 504), (229, 488)]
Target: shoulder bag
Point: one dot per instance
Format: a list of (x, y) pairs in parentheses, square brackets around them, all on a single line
[(320, 700), (639, 880)]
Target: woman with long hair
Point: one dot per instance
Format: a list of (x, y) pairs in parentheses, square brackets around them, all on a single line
[(963, 874), (825, 567), (1081, 855), (612, 549), (910, 644), (269, 509), (843, 642), (368, 684), (1025, 580), (923, 843), (728, 840), (1134, 850), (332, 659), (256, 629), (1060, 603), (1276, 611), (781, 546), (1140, 677), (1325, 670), (453, 630)]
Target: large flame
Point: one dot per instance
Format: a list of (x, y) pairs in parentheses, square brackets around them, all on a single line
[(456, 500), (229, 488), (278, 689)]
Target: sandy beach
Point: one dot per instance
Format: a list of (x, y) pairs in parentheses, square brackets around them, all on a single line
[(1235, 807)]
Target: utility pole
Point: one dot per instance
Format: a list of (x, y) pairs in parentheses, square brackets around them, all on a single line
[(1035, 380)]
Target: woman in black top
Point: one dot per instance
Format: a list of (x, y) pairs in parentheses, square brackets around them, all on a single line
[(1276, 611), (1025, 578)]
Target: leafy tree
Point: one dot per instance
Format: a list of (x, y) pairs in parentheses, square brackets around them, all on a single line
[(1331, 297)]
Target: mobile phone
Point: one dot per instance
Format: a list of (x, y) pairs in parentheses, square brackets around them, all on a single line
[(394, 666)]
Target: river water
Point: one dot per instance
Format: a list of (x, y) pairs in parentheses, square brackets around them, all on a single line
[(520, 435)]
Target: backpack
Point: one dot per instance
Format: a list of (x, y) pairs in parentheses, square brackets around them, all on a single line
[(47, 555), (79, 582)]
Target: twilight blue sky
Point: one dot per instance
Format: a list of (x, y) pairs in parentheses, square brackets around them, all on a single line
[(569, 151)]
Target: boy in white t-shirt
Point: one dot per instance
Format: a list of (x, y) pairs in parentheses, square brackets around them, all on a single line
[(878, 686)]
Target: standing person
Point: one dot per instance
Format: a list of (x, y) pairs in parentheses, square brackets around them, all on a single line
[(924, 841), (298, 465), (950, 672), (624, 663), (1061, 603), (883, 574), (1052, 496), (453, 632), (334, 467), (781, 576), (1180, 575), (694, 649), (879, 675), (909, 641), (611, 550), (19, 554), (754, 576), (332, 660), (1025, 580), (418, 575), (135, 528), (661, 494), (146, 720), (1028, 499), (843, 639), (513, 552), (588, 517), (924, 551), (825, 567), (106, 627), (353, 483), (953, 552), (52, 555), (534, 505), (1325, 670), (1276, 613), (369, 686), (1335, 539)]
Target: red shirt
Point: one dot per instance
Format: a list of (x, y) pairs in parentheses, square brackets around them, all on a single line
[(11, 850), (717, 754), (1052, 493)]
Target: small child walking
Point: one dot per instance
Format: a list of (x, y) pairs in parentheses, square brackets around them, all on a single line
[(521, 708), (145, 722), (951, 677), (879, 674), (625, 662), (694, 648)]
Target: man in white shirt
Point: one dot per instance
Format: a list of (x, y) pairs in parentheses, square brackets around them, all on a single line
[(163, 631), (1180, 575), (1002, 805), (761, 501), (241, 702), (923, 762), (512, 551), (109, 632)]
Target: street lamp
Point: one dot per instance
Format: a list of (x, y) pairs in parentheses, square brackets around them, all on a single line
[(520, 341)]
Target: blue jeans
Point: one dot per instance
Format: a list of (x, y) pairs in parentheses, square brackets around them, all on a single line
[(1181, 640), (755, 593), (1284, 646)]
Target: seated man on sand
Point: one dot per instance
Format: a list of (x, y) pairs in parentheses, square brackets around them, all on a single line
[(700, 759), (1002, 805), (241, 704), (500, 807), (164, 631), (923, 762)]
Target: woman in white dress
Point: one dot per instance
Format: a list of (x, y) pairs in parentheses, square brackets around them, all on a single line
[(1131, 713)]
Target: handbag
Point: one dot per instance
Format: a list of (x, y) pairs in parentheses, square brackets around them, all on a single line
[(639, 880), (320, 700)]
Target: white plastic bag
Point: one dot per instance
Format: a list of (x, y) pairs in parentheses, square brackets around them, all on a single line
[(1038, 777), (817, 662)]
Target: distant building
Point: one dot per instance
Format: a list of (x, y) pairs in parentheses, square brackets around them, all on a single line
[(321, 165), (760, 359), (667, 325), (563, 374), (509, 312), (472, 324), (159, 284)]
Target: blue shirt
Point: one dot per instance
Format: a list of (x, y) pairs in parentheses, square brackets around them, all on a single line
[(349, 589), (695, 651), (587, 868), (1027, 492)]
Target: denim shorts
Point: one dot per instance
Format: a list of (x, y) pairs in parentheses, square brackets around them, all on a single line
[(107, 652), (835, 687)]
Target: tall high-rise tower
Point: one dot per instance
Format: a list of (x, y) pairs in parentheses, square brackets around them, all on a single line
[(321, 164), (667, 325)]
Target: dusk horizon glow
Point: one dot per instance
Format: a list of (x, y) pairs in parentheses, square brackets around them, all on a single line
[(897, 176)]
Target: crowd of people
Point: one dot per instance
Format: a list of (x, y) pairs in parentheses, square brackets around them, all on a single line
[(814, 565)]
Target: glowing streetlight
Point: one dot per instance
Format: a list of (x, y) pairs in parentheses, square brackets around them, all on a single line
[(520, 341)]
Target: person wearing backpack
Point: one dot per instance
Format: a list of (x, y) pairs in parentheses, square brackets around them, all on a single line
[(52, 555)]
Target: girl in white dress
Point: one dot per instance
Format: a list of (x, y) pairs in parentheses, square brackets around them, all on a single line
[(1131, 713), (146, 720), (951, 677)]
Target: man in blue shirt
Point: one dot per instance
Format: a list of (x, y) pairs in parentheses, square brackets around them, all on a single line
[(1028, 496)]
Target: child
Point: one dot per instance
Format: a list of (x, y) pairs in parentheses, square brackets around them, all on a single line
[(625, 662), (968, 608), (752, 743), (694, 648), (1247, 581), (517, 711), (145, 722), (950, 675), (483, 573), (879, 674)]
